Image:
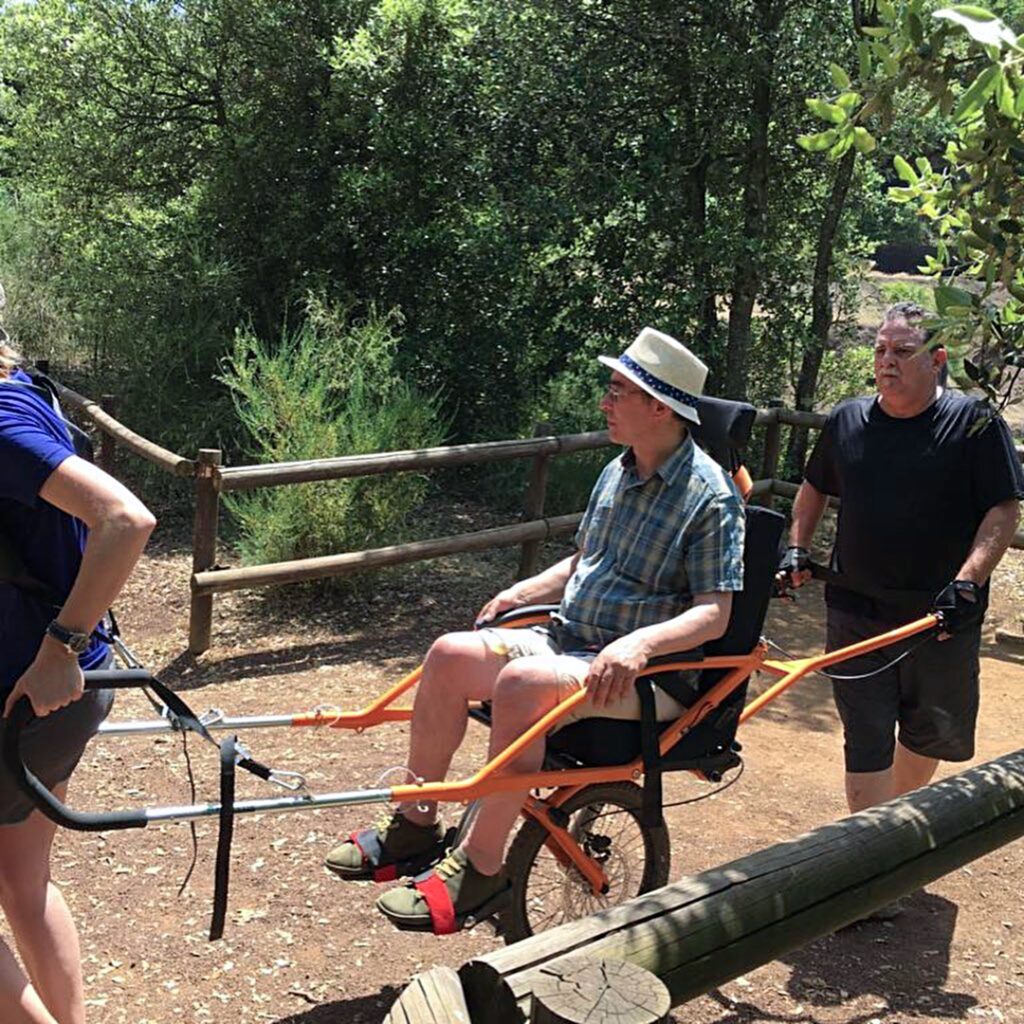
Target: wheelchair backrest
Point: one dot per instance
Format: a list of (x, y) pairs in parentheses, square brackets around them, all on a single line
[(746, 621), (724, 429)]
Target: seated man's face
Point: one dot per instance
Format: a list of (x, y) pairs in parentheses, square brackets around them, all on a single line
[(627, 409)]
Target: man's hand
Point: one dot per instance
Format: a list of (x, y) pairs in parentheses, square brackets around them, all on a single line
[(613, 672), (52, 681), (958, 607), (502, 602), (794, 567)]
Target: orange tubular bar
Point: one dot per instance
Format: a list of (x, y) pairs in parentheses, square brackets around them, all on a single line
[(792, 671)]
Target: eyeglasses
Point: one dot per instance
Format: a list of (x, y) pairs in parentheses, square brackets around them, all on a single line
[(616, 392)]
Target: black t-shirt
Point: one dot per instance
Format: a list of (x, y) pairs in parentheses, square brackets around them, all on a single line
[(913, 493)]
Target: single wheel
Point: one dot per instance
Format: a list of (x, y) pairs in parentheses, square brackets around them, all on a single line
[(605, 820)]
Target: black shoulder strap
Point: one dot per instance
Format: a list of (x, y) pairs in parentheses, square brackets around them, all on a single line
[(46, 387)]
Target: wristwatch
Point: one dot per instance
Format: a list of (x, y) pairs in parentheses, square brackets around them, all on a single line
[(76, 643)]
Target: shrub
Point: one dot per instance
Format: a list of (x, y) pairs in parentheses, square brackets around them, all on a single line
[(845, 372), (329, 388)]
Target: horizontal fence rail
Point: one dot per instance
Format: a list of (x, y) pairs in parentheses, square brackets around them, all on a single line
[(221, 580), (166, 460), (277, 474)]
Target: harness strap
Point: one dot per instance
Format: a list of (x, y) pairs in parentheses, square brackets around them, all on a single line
[(368, 842), (650, 811), (227, 826), (439, 903)]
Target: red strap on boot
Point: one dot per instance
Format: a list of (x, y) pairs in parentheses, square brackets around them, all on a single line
[(388, 873), (439, 903)]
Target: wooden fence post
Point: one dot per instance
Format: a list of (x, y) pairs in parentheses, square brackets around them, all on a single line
[(772, 444), (578, 990), (204, 547), (108, 443), (533, 505)]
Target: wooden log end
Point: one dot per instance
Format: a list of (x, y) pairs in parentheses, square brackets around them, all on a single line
[(433, 997), (580, 989)]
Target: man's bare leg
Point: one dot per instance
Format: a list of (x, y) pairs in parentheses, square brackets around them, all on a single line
[(40, 919), (459, 668), (526, 690), (909, 771)]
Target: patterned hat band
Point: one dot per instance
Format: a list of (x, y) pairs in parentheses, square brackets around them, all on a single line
[(662, 387)]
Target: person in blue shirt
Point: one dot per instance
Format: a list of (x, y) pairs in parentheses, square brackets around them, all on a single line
[(79, 532)]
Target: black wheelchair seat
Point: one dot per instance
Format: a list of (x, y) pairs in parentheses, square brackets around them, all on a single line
[(598, 742)]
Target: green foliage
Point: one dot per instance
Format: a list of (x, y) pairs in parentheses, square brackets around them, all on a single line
[(908, 291), (845, 373), (970, 65), (528, 182), (330, 388)]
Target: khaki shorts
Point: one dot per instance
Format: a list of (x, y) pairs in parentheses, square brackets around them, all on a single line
[(571, 668)]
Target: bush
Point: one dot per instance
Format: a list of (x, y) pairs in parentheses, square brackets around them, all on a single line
[(330, 388), (844, 374)]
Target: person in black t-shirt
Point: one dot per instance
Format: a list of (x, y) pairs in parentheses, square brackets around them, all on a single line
[(929, 502)]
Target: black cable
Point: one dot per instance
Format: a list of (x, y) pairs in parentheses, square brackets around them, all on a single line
[(681, 803), (863, 675), (191, 824)]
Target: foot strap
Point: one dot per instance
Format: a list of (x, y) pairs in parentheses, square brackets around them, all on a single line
[(368, 841), (439, 903)]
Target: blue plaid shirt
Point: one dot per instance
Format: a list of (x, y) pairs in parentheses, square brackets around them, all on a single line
[(647, 546)]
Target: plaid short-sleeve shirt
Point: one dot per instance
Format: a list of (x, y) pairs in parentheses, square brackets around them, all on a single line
[(647, 546)]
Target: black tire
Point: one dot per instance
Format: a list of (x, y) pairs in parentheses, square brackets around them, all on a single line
[(605, 819)]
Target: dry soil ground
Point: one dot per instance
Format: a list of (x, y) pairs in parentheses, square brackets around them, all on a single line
[(304, 948)]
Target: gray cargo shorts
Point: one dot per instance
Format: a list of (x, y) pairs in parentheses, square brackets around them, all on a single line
[(572, 668), (51, 748)]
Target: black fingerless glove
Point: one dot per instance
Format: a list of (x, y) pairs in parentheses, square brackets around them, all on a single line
[(795, 559), (959, 606)]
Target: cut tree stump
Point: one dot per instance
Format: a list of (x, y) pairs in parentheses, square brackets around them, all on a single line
[(578, 990)]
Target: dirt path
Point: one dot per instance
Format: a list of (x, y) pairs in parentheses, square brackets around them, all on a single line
[(303, 948)]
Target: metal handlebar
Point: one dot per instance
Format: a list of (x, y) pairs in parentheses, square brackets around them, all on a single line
[(22, 715)]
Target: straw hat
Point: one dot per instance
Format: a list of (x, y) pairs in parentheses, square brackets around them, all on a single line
[(665, 369)]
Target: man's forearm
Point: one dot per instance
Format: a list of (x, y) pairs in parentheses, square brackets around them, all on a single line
[(807, 511), (991, 540), (696, 626), (546, 586)]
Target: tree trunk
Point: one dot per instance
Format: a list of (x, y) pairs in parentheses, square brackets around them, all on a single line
[(747, 271), (821, 309)]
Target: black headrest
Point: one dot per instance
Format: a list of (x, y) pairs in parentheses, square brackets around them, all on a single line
[(724, 428)]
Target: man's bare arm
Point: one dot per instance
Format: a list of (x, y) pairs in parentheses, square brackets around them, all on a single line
[(993, 536), (546, 587), (614, 670)]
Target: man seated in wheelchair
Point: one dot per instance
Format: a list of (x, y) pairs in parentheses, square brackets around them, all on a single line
[(659, 556)]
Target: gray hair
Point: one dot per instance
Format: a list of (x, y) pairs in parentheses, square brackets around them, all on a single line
[(9, 359)]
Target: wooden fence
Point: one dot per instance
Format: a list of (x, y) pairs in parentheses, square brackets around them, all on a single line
[(707, 929), (212, 478)]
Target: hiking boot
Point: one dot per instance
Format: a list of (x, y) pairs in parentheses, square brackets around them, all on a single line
[(392, 848), (452, 896)]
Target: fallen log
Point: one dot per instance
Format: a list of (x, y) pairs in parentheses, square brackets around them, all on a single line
[(709, 928)]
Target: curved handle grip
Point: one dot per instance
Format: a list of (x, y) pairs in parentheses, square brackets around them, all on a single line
[(59, 813)]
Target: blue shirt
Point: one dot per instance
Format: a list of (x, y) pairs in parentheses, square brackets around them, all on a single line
[(647, 546), (33, 443)]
